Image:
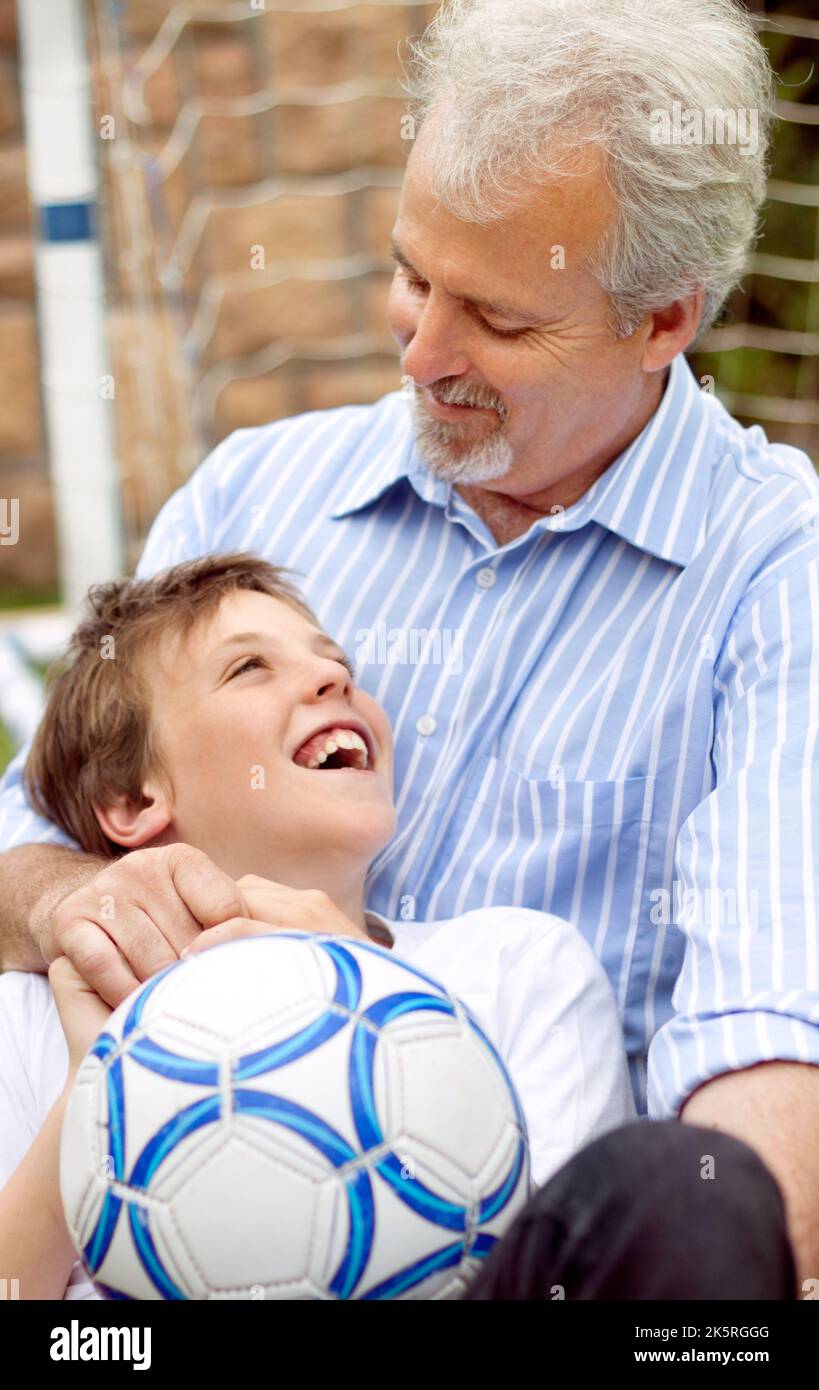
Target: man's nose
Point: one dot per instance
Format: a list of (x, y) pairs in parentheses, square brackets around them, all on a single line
[(434, 348)]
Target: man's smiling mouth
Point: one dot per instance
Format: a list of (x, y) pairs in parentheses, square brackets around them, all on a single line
[(453, 409)]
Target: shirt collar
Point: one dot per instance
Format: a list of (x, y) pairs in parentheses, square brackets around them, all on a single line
[(380, 929), (403, 935), (391, 443), (654, 494)]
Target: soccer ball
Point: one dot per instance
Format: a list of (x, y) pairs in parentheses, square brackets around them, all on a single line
[(291, 1116)]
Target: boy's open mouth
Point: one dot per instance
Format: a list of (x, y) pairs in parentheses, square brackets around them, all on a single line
[(336, 748)]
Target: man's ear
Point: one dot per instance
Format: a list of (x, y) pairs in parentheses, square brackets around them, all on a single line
[(134, 823), (671, 331)]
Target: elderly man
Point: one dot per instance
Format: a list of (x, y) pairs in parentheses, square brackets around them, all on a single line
[(631, 582)]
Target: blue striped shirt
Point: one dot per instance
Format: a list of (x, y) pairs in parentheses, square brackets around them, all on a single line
[(612, 718)]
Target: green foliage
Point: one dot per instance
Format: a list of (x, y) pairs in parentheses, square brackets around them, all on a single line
[(14, 596), (790, 230), (6, 748)]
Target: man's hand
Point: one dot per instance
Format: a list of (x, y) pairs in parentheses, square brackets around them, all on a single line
[(137, 915), (774, 1107), (275, 907)]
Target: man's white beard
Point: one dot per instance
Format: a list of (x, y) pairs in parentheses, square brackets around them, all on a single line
[(447, 456)]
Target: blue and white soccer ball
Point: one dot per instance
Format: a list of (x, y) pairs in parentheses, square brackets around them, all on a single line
[(291, 1116)]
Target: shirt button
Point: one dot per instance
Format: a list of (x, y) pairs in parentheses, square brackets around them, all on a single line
[(425, 724), (485, 578)]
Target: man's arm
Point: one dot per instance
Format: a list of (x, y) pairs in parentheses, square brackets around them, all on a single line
[(774, 1108), (36, 857), (34, 879), (741, 1053)]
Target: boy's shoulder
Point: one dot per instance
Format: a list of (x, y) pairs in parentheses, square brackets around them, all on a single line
[(32, 1043), (495, 939), (33, 1062), (25, 997)]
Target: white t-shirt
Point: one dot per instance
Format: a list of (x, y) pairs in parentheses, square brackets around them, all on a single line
[(530, 979)]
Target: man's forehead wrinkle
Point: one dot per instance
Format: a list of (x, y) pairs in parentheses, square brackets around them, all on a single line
[(577, 189), (571, 213)]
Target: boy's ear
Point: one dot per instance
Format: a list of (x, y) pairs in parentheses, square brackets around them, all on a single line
[(133, 823)]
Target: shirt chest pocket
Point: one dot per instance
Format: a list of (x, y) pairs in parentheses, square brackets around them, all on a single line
[(578, 849)]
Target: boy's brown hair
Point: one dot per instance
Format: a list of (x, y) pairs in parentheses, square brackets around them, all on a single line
[(96, 739)]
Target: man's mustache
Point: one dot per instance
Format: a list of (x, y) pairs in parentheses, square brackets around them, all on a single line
[(452, 390)]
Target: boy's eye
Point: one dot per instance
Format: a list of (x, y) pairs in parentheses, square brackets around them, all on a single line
[(253, 661), (343, 660), (248, 665)]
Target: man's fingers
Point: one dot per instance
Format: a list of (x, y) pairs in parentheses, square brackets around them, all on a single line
[(264, 895), (261, 903), (135, 935), (210, 894), (137, 915), (179, 889), (232, 930), (141, 939), (96, 957)]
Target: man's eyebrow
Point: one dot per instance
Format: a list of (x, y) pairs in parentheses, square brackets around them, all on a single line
[(489, 306)]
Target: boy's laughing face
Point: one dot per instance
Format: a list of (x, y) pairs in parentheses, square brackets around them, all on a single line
[(233, 705)]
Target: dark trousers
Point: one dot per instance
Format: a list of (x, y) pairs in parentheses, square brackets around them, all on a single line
[(635, 1215)]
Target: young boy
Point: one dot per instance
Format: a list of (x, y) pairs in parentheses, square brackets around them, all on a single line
[(206, 706)]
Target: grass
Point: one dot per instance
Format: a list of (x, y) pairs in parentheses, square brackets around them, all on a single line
[(14, 597), (7, 748)]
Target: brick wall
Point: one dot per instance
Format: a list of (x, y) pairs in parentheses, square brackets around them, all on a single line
[(278, 341), (23, 470), (261, 308)]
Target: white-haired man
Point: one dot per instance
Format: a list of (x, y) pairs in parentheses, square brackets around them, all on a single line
[(631, 581)]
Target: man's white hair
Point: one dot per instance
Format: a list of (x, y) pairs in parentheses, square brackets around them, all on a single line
[(520, 84)]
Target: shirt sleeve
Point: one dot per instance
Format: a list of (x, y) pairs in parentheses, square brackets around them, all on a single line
[(746, 858), (21, 1115), (560, 1035), (19, 1122), (19, 823)]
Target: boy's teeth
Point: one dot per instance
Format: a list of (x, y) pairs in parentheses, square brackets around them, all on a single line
[(348, 739)]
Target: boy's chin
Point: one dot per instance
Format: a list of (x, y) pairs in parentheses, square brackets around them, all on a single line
[(362, 831), (358, 833)]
